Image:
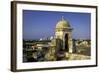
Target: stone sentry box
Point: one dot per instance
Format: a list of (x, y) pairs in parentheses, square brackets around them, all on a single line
[(63, 32)]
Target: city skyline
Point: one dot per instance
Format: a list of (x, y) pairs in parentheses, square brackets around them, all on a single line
[(41, 24)]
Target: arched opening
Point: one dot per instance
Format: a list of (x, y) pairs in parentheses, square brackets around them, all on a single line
[(59, 43), (66, 43)]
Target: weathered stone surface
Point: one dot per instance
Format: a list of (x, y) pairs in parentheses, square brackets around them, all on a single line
[(63, 31)]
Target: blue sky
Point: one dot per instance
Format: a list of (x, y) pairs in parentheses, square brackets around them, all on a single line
[(41, 24)]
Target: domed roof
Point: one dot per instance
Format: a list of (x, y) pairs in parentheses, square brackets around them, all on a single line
[(62, 24)]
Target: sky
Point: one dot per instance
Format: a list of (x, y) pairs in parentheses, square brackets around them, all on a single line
[(41, 24)]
